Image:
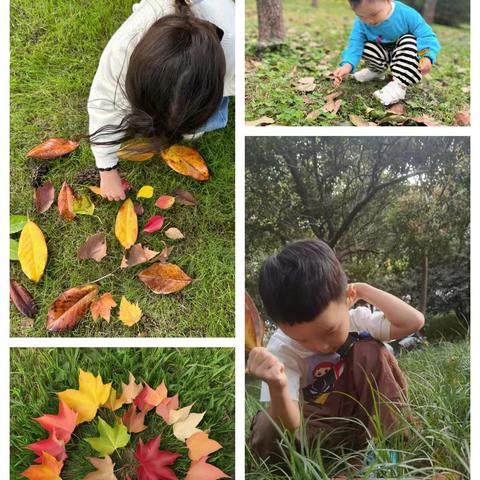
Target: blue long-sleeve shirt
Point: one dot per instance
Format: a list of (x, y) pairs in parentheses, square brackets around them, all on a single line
[(401, 21)]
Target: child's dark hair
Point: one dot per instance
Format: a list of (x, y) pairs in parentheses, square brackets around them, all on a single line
[(298, 284), (174, 81)]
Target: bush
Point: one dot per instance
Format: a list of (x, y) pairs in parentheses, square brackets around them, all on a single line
[(446, 326), (448, 12)]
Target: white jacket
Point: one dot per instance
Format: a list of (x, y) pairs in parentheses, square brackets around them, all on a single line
[(107, 104)]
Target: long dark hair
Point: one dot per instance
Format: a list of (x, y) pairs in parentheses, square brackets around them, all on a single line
[(174, 81)]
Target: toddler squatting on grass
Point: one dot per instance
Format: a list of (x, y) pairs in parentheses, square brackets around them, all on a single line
[(166, 74), (388, 33), (324, 360)]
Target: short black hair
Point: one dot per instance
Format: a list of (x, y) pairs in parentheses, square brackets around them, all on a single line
[(298, 284)]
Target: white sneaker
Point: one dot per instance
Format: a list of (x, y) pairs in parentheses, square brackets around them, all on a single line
[(366, 75), (391, 93), (193, 136)]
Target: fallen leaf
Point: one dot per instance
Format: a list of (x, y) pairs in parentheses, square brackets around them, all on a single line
[(306, 80), (254, 325), (184, 198), (13, 249), (129, 313), (462, 118), (83, 205), (306, 87), (65, 202), (52, 445), (49, 469), (260, 121), (22, 299), (17, 222), (204, 471), (199, 445), (63, 424), (184, 429), (145, 192), (332, 107), (101, 307), (53, 148), (154, 224), (95, 189), (92, 393), (104, 467), (44, 197), (397, 108), (164, 278), (180, 414), (110, 438), (427, 121), (131, 390), (393, 119), (70, 307), (358, 121), (314, 114), (150, 398), (125, 185), (165, 201), (167, 405), (164, 254), (154, 462), (134, 421), (174, 234), (136, 151), (186, 161), (32, 251), (95, 248), (332, 96), (126, 224), (138, 209), (137, 255)]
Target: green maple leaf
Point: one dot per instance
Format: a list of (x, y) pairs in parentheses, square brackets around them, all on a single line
[(110, 438)]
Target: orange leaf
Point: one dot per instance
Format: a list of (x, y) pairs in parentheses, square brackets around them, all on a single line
[(165, 201), (164, 278), (49, 469), (204, 471), (70, 307), (254, 326), (102, 306), (65, 202), (137, 151), (167, 405), (53, 148), (95, 189), (105, 469), (186, 161), (134, 421), (149, 398), (199, 445), (126, 224)]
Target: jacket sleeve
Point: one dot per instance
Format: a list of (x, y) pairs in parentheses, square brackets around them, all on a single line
[(356, 43), (426, 38)]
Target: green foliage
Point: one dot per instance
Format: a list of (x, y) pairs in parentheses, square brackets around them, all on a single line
[(447, 325), (447, 12)]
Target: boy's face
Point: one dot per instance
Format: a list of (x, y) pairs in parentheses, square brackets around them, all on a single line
[(373, 12), (326, 333)]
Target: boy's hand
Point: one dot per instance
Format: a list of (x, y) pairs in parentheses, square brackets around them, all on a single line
[(425, 65), (341, 72), (352, 294), (266, 366), (111, 185)]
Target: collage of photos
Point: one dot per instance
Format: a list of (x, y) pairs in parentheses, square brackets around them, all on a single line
[(133, 214)]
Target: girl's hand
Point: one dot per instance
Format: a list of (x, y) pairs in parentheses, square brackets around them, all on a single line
[(425, 65), (341, 72), (111, 185)]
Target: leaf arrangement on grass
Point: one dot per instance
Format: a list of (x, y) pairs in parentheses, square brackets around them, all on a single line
[(161, 277), (148, 460)]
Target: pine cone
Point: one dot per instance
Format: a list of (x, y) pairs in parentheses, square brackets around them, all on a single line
[(38, 174), (90, 176)]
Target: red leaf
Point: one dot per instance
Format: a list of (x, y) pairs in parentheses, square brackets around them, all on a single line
[(53, 148), (65, 202), (154, 462), (149, 398), (52, 445), (134, 421), (22, 299), (126, 185), (44, 197), (62, 424), (167, 405), (165, 201), (155, 223)]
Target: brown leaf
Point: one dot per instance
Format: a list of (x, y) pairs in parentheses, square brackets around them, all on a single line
[(164, 278), (138, 209), (305, 87), (65, 202), (101, 307), (137, 255), (332, 107), (314, 114), (184, 198), (70, 307), (260, 121), (254, 325), (186, 161), (427, 121), (309, 101), (53, 148), (165, 253), (462, 119), (306, 80), (95, 247), (332, 96), (397, 108), (22, 299), (358, 121), (174, 234), (44, 197)]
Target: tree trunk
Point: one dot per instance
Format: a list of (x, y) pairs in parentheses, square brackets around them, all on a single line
[(424, 285), (271, 29), (429, 10), (315, 3)]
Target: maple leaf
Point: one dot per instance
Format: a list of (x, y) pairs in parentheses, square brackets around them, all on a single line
[(63, 423), (199, 445), (102, 306), (154, 462), (185, 428), (129, 313), (49, 469), (134, 421), (92, 394), (149, 398), (166, 406), (110, 438), (104, 468), (129, 393), (52, 445), (204, 471)]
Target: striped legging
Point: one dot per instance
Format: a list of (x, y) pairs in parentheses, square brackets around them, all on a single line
[(402, 58)]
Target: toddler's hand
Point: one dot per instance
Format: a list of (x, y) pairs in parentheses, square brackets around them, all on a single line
[(425, 65), (352, 295), (111, 185), (341, 72), (266, 366)]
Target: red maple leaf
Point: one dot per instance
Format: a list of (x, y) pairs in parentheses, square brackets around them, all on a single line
[(52, 445), (64, 423), (154, 462)]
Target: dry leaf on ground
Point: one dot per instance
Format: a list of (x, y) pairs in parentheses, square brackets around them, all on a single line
[(95, 247), (126, 224), (65, 202), (44, 197), (101, 307), (32, 251), (164, 278), (22, 299), (137, 255), (186, 161), (53, 148), (260, 121), (174, 234)]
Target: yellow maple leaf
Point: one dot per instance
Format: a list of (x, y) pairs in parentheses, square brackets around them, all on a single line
[(92, 393), (145, 192), (130, 313), (129, 393), (184, 429)]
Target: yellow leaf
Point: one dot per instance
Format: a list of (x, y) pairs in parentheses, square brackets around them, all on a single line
[(186, 161), (136, 151), (129, 393), (184, 429), (130, 313), (92, 393), (145, 192), (32, 251), (126, 225)]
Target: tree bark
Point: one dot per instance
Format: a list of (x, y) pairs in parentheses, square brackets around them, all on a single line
[(424, 285), (271, 29), (429, 10)]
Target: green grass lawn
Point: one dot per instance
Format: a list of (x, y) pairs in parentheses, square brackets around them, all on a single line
[(438, 439), (203, 376), (55, 48), (315, 39)]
